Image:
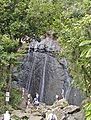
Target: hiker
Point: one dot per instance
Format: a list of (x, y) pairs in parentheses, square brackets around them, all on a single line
[(36, 102), (62, 94), (52, 116), (28, 101), (23, 92), (37, 96), (28, 96), (57, 97), (6, 116)]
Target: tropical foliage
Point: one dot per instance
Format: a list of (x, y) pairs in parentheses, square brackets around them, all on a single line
[(70, 19), (87, 108)]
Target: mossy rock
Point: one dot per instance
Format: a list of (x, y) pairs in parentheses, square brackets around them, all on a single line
[(61, 103)]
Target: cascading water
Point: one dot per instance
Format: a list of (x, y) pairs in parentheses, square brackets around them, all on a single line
[(67, 82), (41, 72), (43, 80), (28, 84)]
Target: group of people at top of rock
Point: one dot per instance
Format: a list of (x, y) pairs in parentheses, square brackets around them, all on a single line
[(48, 43)]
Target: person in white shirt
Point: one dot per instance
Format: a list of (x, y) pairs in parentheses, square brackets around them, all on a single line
[(36, 102), (57, 97), (37, 96), (62, 94), (6, 116), (52, 116)]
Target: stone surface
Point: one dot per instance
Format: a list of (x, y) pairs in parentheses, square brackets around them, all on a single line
[(61, 103), (69, 112), (71, 109), (34, 71), (43, 73), (75, 96)]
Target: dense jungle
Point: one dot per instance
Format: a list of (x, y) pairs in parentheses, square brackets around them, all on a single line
[(21, 21)]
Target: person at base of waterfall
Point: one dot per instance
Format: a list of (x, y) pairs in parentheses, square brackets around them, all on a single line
[(36, 102), (28, 103), (37, 96), (62, 94), (52, 116), (6, 116), (57, 97), (23, 92)]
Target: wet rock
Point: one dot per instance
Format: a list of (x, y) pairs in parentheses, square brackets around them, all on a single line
[(75, 96), (34, 71), (41, 72)]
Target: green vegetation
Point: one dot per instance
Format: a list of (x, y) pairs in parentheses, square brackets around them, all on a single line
[(70, 19), (15, 98), (87, 108), (8, 59)]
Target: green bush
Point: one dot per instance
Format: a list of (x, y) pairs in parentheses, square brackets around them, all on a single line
[(4, 108), (2, 98), (87, 108), (15, 98)]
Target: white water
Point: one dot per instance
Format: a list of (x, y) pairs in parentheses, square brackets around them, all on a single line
[(43, 80), (30, 74)]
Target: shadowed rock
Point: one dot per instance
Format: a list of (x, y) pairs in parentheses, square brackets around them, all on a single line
[(41, 72)]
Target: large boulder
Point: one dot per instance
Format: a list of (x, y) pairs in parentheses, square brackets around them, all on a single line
[(67, 112), (60, 104)]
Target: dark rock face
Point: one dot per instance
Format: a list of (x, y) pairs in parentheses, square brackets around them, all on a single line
[(75, 96), (41, 72)]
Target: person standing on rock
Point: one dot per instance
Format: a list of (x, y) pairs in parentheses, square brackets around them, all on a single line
[(37, 96), (57, 97), (62, 94), (52, 116), (23, 92), (36, 100), (36, 103), (6, 116), (28, 100)]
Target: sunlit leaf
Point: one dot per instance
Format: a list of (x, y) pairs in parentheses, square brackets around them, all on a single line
[(86, 42), (88, 53)]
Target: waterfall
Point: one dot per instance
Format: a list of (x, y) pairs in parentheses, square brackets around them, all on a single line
[(43, 80), (28, 84), (42, 72), (67, 81), (68, 84)]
